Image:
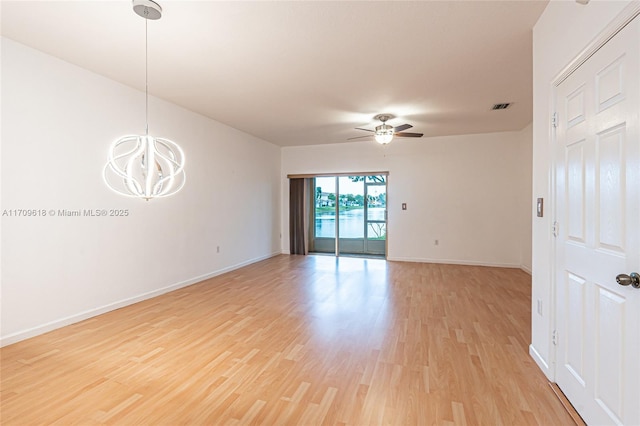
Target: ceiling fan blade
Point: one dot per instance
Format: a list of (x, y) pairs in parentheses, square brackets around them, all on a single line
[(360, 137), (402, 127), (409, 135), (366, 130)]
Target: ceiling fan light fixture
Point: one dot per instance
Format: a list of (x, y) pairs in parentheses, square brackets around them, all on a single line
[(384, 137), (384, 134)]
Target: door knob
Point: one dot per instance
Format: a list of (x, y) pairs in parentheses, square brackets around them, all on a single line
[(633, 279)]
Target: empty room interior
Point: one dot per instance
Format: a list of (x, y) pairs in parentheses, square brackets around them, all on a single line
[(301, 213)]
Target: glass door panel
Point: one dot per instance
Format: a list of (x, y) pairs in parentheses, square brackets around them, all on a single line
[(351, 227), (324, 230), (376, 195)]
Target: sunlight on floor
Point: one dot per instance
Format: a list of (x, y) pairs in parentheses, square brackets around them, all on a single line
[(342, 302)]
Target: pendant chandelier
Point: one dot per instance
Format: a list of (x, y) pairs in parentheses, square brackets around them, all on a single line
[(144, 166)]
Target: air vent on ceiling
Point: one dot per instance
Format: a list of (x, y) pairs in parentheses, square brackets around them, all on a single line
[(501, 106)]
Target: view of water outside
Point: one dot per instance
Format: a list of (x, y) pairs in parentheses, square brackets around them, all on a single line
[(351, 223), (351, 218)]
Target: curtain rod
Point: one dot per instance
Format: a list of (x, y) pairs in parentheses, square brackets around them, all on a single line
[(314, 175)]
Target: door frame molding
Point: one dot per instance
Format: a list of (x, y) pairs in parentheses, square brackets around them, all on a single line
[(628, 14)]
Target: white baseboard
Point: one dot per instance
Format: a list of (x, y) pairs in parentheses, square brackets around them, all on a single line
[(454, 262), (526, 269), (81, 316)]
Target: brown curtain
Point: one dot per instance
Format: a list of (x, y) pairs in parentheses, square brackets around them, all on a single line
[(298, 216)]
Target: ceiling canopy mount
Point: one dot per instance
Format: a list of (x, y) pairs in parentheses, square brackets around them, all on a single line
[(148, 9)]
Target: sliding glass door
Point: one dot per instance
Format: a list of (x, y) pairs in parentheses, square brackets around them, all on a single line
[(353, 209)]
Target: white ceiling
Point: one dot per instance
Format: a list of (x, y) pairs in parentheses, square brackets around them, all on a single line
[(301, 73)]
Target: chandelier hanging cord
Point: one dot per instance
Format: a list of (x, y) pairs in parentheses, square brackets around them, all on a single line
[(146, 75)]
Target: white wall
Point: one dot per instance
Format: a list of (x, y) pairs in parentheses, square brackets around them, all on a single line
[(58, 121), (562, 32), (468, 192), (526, 204)]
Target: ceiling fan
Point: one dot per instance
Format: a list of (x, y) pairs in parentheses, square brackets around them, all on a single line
[(384, 133)]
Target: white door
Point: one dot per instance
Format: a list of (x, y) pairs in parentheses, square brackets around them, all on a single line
[(598, 215)]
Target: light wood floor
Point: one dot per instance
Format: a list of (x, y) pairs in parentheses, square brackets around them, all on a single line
[(296, 340)]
